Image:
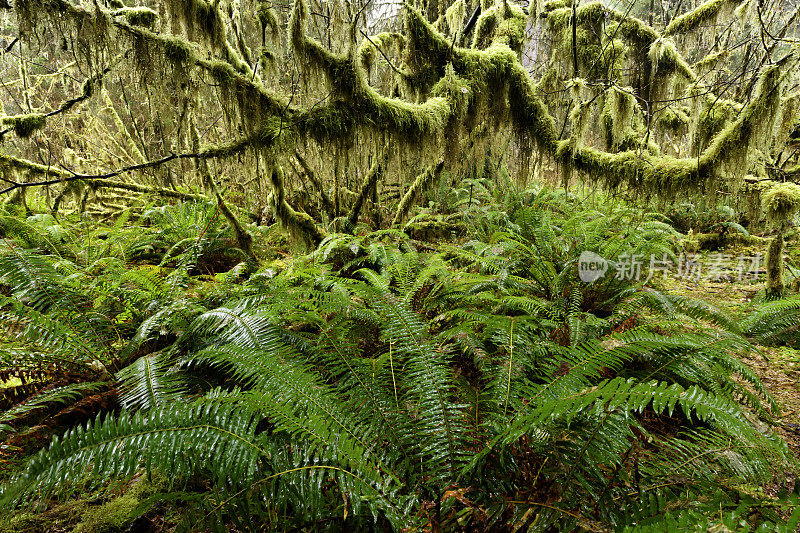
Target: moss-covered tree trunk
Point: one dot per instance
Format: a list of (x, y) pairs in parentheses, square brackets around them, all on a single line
[(776, 283)]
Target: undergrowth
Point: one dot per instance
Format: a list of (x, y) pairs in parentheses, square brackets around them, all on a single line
[(382, 382)]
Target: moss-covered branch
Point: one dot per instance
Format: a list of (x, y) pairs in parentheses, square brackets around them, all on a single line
[(702, 14), (308, 173), (369, 183), (299, 225), (420, 185)]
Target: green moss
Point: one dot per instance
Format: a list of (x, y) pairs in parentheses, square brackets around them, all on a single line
[(222, 71), (270, 25), (699, 16), (640, 173), (177, 50), (388, 42), (665, 61), (502, 24), (552, 5), (776, 281), (298, 224), (434, 228), (726, 156), (455, 16), (710, 61), (421, 183), (115, 514), (616, 115), (780, 203), (25, 125), (59, 518), (710, 122), (672, 118), (138, 16), (455, 90), (600, 53), (201, 19)]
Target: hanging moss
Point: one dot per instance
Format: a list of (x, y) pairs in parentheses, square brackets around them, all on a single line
[(270, 25), (138, 16), (616, 115), (201, 20), (726, 156), (580, 114), (354, 104), (25, 125), (788, 127), (389, 42), (665, 62), (710, 61), (599, 55), (455, 16), (702, 15), (710, 119), (455, 90)]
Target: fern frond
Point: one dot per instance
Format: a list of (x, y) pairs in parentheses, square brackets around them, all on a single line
[(217, 437), (149, 382)]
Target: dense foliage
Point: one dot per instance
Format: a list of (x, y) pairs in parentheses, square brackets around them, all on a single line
[(317, 265), (385, 383)]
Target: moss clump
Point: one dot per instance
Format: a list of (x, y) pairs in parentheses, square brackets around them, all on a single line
[(115, 514), (672, 119), (502, 24), (138, 16), (222, 72), (25, 125), (552, 5), (780, 203), (776, 281), (60, 518), (177, 50), (434, 229)]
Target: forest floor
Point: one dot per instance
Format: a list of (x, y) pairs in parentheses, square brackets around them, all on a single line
[(777, 367)]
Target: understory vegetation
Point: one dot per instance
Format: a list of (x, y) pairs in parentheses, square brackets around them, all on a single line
[(345, 265), (381, 382)]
